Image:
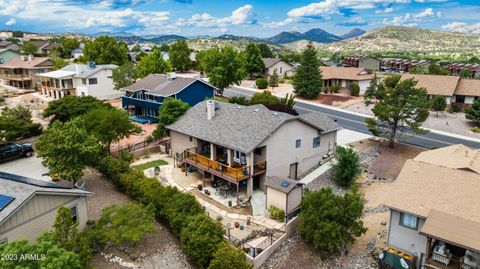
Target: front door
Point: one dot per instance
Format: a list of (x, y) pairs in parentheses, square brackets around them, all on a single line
[(293, 171)]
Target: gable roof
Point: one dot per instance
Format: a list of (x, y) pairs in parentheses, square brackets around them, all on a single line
[(277, 183), (468, 87), (455, 157), (6, 49), (269, 62), (26, 64), (22, 189), (76, 70), (435, 84), (160, 84), (241, 127), (346, 73)]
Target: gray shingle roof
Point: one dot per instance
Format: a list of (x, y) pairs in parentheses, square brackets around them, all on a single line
[(159, 84), (88, 72), (276, 183), (240, 127), (269, 62), (23, 191)]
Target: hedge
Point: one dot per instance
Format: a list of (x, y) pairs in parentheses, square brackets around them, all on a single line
[(178, 210)]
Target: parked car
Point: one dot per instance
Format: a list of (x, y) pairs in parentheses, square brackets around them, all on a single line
[(11, 151)]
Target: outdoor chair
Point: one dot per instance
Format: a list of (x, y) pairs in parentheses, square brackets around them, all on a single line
[(471, 260), (442, 254)]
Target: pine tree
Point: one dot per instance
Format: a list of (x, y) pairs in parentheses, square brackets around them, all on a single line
[(253, 60), (307, 81), (273, 80), (371, 91)]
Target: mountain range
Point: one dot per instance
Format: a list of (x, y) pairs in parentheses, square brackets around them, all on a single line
[(316, 35)]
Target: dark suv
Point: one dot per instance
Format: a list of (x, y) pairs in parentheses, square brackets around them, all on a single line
[(11, 151)]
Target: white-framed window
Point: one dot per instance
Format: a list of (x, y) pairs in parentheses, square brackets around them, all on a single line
[(92, 81), (409, 221), (298, 143), (239, 156), (316, 142)]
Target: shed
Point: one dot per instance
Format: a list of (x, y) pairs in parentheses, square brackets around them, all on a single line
[(284, 193)]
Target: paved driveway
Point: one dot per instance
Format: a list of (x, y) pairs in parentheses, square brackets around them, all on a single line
[(28, 167)]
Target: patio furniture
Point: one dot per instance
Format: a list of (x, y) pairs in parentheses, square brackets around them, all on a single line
[(471, 260), (442, 254)]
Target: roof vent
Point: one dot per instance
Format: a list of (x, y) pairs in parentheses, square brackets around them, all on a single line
[(274, 114), (171, 76), (91, 65), (237, 107), (256, 110), (285, 183)]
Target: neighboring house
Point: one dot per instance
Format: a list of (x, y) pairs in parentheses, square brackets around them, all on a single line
[(327, 61), (404, 65), (44, 47), (243, 145), (453, 88), (283, 68), (7, 55), (456, 68), (367, 62), (78, 52), (28, 207), (81, 80), (435, 209), (283, 193), (9, 45), (345, 76), (143, 98), (21, 72)]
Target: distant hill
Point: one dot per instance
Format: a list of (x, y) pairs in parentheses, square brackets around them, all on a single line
[(401, 39), (354, 33), (120, 34), (315, 35), (235, 37), (166, 38)]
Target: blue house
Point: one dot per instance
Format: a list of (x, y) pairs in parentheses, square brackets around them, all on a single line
[(143, 98)]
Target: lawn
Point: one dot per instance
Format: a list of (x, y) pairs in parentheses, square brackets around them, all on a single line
[(151, 164)]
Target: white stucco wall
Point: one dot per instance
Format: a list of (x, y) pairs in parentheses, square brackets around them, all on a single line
[(102, 90), (282, 69), (363, 85), (404, 238)]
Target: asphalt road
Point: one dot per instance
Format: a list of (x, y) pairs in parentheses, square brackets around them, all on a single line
[(357, 123)]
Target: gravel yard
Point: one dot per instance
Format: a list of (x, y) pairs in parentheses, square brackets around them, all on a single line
[(159, 249)]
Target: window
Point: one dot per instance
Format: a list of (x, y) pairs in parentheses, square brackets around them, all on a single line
[(298, 143), (190, 138), (1, 61), (239, 157), (73, 211), (316, 142), (92, 81), (84, 81), (460, 99), (409, 221)]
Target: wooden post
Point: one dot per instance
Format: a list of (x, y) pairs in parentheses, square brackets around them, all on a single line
[(428, 250)]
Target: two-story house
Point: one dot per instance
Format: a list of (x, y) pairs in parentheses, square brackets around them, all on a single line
[(144, 98), (243, 145), (435, 211), (81, 80), (21, 72)]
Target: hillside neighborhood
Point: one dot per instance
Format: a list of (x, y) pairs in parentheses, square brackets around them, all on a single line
[(305, 149)]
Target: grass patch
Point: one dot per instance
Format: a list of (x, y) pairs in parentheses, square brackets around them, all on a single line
[(476, 129), (151, 164)]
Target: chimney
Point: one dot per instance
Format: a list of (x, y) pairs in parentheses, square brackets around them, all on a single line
[(171, 76), (30, 57), (210, 109), (76, 68), (23, 58)]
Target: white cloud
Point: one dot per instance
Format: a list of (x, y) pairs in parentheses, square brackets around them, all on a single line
[(242, 15), (462, 27), (11, 21), (387, 10), (412, 20)]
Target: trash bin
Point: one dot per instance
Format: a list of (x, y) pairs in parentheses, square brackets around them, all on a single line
[(230, 203)]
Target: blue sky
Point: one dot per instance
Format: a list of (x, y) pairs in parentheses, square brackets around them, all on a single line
[(251, 18)]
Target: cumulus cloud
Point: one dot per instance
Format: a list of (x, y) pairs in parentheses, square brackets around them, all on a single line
[(412, 20), (356, 21), (242, 15), (386, 10), (462, 27), (11, 21)]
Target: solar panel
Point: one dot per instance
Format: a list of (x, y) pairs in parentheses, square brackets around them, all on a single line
[(285, 183), (5, 200)]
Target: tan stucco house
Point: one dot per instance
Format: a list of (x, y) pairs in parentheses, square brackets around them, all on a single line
[(435, 209), (28, 207), (345, 76), (243, 145), (282, 67), (21, 72)]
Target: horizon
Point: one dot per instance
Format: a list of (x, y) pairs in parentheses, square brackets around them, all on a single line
[(260, 19)]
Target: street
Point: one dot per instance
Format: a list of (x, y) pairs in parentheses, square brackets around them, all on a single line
[(354, 122)]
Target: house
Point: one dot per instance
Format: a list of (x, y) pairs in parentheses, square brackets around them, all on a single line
[(435, 209), (9, 45), (78, 52), (283, 193), (404, 65), (45, 47), (81, 80), (8, 54), (241, 146), (345, 76), (143, 98), (456, 68), (282, 67), (28, 207), (21, 72), (455, 89), (367, 62)]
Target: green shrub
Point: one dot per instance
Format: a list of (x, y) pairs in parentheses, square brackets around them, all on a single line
[(476, 129), (354, 89), (126, 156), (335, 89), (454, 108), (261, 83), (264, 98), (112, 168), (229, 257), (200, 239), (346, 167), (239, 100), (276, 213)]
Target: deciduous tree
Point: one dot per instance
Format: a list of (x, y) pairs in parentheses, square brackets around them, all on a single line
[(169, 112), (346, 167), (401, 106), (228, 257), (16, 123), (67, 148), (439, 103), (330, 222), (71, 106), (106, 50), (179, 55), (253, 59), (29, 48), (307, 80), (265, 50), (153, 63), (124, 75)]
